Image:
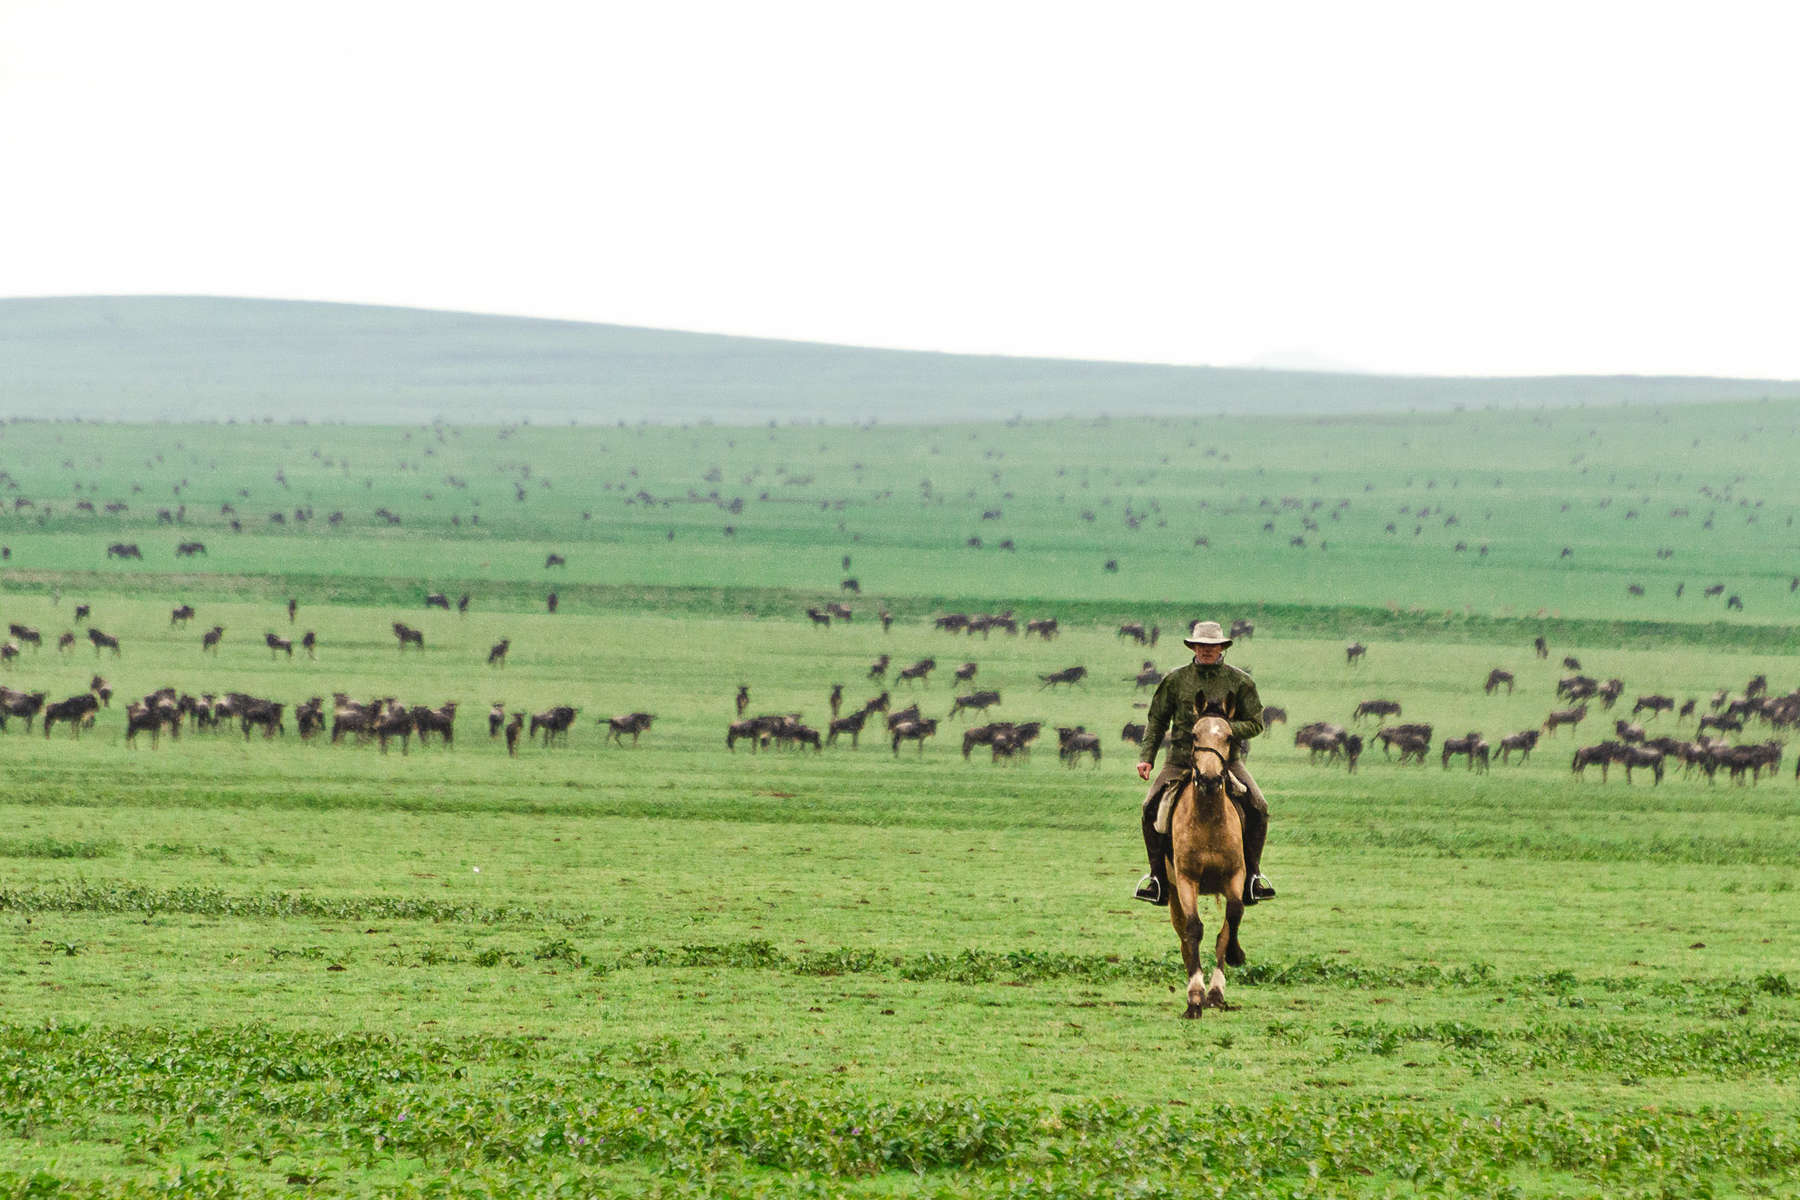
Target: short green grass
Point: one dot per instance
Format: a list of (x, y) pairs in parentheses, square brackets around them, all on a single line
[(260, 968)]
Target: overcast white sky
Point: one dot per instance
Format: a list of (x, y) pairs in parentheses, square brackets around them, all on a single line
[(1471, 188)]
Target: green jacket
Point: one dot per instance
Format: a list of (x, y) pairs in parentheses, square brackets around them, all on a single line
[(1178, 698)]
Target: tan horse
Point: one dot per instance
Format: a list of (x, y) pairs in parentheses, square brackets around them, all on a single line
[(1207, 859)]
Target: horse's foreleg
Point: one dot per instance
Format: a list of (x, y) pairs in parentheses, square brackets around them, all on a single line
[(1184, 914)]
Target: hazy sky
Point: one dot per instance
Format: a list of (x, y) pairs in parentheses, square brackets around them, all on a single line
[(1482, 188)]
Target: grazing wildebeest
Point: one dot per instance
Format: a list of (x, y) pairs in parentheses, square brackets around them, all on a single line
[(1274, 714), (1656, 704), (840, 611), (1628, 732), (1413, 741), (26, 635), (1376, 708), (632, 723), (979, 701), (75, 710), (1329, 742), (1148, 677), (965, 672), (1570, 662), (1312, 728), (8, 652), (102, 689), (1068, 675), (916, 730), (1577, 687), (1564, 716), (1609, 692), (554, 722), (513, 728), (1603, 755), (1734, 601), (437, 600), (276, 644), (878, 668), (189, 549), (497, 653), (850, 585), (1205, 857), (1495, 678), (1073, 743), (819, 617), (124, 550), (1135, 631), (920, 670), (65, 642), (1525, 741), (82, 611), (952, 622), (103, 641), (554, 560), (1133, 733), (1045, 628), (210, 639), (181, 615), (1243, 629), (1354, 652), (1472, 747), (407, 635)]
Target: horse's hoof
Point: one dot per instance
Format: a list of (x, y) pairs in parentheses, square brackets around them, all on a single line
[(1215, 998)]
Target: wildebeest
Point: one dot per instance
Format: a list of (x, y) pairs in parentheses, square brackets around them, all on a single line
[(851, 724), (497, 653), (1354, 652), (1656, 704), (124, 550), (1274, 714), (65, 642), (1376, 708), (887, 619), (1135, 631), (951, 622), (82, 611), (26, 635), (554, 722), (1642, 756), (210, 639), (181, 615), (1471, 747), (966, 672), (20, 704), (1412, 740), (978, 701), (1149, 676), (75, 710), (1073, 743), (632, 723), (1542, 647), (1724, 722), (1570, 662), (8, 651), (1133, 733), (407, 635), (1609, 692), (437, 600), (513, 728), (1045, 628), (155, 717), (1628, 732), (554, 560), (1603, 755), (1068, 675), (496, 718), (850, 585), (916, 730), (1495, 678), (1243, 629), (920, 670), (550, 602), (189, 549), (841, 611), (276, 644), (310, 643), (819, 617), (878, 668), (462, 603), (1577, 687), (1564, 716), (743, 698), (440, 720), (103, 641), (1525, 741)]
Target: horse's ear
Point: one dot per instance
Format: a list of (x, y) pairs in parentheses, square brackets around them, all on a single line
[(1216, 708)]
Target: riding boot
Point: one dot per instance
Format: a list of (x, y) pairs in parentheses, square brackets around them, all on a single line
[(1156, 848)]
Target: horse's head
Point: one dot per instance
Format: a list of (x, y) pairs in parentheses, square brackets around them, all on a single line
[(1212, 743)]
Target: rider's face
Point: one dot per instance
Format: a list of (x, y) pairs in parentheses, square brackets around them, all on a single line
[(1206, 656)]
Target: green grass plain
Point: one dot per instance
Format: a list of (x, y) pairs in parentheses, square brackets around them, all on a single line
[(269, 968)]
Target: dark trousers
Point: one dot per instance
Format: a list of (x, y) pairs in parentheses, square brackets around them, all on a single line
[(1251, 807)]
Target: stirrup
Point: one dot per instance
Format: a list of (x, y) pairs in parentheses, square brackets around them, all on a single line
[(1258, 889), (1151, 891)]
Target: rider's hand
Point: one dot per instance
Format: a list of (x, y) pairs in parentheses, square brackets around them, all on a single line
[(1143, 770)]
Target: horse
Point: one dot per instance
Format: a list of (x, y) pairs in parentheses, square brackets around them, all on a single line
[(1206, 858)]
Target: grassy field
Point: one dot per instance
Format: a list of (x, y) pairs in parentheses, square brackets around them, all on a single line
[(265, 967)]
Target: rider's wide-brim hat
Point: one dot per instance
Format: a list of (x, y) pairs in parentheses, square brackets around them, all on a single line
[(1207, 633)]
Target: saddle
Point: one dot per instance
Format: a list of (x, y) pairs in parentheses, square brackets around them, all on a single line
[(1165, 806)]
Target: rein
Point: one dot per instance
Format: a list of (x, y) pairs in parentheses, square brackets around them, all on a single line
[(1224, 763)]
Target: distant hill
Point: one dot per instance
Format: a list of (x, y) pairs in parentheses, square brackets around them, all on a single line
[(204, 358)]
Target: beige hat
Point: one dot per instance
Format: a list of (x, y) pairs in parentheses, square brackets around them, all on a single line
[(1207, 633)]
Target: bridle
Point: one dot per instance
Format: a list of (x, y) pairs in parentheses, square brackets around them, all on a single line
[(1224, 763)]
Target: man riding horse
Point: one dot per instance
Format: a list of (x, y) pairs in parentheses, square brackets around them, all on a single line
[(1178, 699)]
